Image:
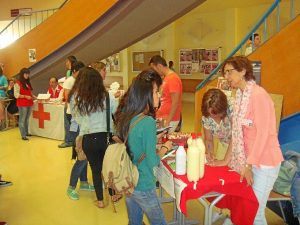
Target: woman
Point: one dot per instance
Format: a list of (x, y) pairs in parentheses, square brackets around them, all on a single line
[(69, 63), (142, 100), (216, 120), (24, 96), (100, 67), (255, 152), (3, 86), (88, 102)]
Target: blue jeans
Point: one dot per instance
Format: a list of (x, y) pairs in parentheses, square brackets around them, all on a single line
[(25, 112), (141, 202), (69, 135), (264, 179), (79, 170)]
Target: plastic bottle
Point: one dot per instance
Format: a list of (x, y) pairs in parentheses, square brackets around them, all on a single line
[(189, 141), (201, 147), (193, 161), (180, 160)]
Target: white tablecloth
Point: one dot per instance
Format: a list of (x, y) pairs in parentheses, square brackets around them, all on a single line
[(47, 120)]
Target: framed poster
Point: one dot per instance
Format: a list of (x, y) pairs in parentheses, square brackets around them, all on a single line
[(113, 63), (140, 60)]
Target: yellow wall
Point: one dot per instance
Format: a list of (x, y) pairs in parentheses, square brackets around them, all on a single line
[(280, 66)]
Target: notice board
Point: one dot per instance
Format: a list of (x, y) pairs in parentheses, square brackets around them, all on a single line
[(140, 60)]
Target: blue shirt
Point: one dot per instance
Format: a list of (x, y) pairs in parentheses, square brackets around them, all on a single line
[(95, 122), (3, 83)]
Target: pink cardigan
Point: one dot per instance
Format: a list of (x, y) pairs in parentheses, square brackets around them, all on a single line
[(259, 130)]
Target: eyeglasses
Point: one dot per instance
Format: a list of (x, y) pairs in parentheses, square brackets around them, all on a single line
[(228, 71)]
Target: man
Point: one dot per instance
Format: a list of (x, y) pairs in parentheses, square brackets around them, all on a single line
[(253, 44), (55, 90), (68, 84), (170, 108)]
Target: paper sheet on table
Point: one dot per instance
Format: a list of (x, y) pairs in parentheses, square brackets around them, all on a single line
[(165, 178), (178, 188)]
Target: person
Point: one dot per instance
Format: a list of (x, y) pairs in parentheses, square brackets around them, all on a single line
[(88, 102), (24, 96), (142, 99), (170, 109), (55, 90), (255, 151), (216, 120), (68, 84), (252, 44), (3, 87), (171, 65), (12, 107), (69, 62)]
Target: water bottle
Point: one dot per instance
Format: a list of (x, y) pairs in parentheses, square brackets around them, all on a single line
[(201, 148), (193, 161), (180, 160)]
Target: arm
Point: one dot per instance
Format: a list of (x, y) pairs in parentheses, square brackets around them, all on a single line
[(5, 84), (226, 159), (66, 94), (209, 144), (175, 96)]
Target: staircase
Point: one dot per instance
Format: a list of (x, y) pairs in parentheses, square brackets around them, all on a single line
[(282, 40)]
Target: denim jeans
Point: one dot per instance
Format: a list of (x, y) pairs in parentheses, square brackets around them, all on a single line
[(264, 179), (141, 202), (23, 119), (69, 135), (79, 170)]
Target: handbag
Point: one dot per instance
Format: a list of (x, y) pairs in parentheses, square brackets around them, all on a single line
[(109, 136)]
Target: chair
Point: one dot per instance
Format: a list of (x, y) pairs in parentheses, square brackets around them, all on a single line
[(276, 197)]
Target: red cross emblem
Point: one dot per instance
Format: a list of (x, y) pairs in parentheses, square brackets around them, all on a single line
[(41, 115)]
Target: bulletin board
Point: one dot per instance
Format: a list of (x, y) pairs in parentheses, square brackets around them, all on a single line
[(140, 60)]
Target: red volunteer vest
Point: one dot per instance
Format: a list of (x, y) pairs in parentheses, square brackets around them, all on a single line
[(23, 101), (54, 94)]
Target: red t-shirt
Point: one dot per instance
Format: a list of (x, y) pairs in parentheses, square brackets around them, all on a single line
[(171, 84)]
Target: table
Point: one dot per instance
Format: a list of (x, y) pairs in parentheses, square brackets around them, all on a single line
[(222, 183), (47, 120), (5, 102)]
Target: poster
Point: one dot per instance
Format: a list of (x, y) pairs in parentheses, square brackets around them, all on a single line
[(32, 55), (113, 63), (198, 60)]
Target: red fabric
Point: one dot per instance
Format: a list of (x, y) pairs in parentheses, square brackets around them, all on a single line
[(55, 93), (23, 101), (171, 84), (239, 197), (41, 115)]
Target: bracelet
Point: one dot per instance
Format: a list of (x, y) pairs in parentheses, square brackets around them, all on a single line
[(163, 146)]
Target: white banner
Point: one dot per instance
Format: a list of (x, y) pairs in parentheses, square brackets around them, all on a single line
[(47, 120)]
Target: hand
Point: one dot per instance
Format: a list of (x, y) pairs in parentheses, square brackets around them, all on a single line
[(117, 139), (28, 97), (117, 94), (247, 174), (210, 156), (217, 163), (160, 135)]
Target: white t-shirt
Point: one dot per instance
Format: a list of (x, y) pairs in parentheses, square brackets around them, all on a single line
[(68, 84)]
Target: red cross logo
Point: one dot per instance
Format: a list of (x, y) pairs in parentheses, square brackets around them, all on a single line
[(41, 115)]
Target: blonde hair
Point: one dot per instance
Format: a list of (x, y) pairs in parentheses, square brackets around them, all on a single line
[(98, 65)]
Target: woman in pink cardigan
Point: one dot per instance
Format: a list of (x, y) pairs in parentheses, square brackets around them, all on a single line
[(255, 151)]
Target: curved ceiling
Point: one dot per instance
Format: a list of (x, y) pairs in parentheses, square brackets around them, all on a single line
[(125, 23)]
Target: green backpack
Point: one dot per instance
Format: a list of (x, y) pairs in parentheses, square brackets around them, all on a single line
[(286, 173)]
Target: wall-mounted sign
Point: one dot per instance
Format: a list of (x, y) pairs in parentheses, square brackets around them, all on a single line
[(32, 55), (23, 11)]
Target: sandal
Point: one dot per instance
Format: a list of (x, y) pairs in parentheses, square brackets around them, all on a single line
[(115, 198), (99, 204)]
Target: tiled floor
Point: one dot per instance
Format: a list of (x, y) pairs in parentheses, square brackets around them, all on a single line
[(40, 172)]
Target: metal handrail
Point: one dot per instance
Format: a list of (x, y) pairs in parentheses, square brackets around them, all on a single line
[(30, 14), (244, 40)]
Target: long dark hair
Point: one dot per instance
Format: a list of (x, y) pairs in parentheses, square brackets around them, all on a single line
[(138, 99), (25, 82), (88, 91)]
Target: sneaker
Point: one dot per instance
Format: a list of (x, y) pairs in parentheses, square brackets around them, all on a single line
[(72, 193), (4, 183), (65, 145), (86, 187)]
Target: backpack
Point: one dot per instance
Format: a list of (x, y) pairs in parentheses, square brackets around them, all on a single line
[(118, 171)]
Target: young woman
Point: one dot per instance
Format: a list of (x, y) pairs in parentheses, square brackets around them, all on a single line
[(255, 151), (142, 99), (24, 96), (216, 120), (88, 103)]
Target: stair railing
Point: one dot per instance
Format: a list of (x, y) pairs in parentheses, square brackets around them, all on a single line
[(239, 47)]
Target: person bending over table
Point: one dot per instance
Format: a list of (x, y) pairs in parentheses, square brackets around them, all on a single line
[(255, 151)]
